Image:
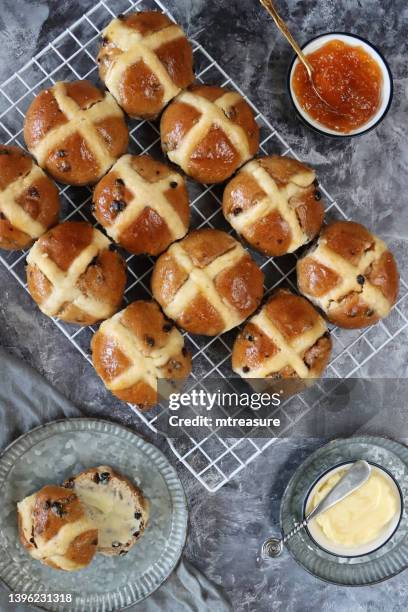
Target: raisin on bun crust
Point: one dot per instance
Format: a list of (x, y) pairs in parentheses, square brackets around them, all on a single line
[(29, 201), (115, 506), (273, 202), (135, 348), (286, 339), (56, 530), (73, 275), (142, 204), (209, 132), (208, 283), (145, 60), (75, 131), (350, 274)]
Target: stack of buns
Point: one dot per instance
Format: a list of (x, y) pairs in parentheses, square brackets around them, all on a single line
[(96, 511), (205, 281)]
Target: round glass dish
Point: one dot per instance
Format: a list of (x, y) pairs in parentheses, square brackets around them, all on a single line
[(387, 86), (319, 537), (56, 451), (376, 566)]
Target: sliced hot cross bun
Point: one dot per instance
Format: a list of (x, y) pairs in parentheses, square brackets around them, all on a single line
[(116, 507), (207, 282), (136, 347), (286, 339), (72, 274), (75, 131), (29, 202), (273, 202), (350, 274), (143, 204), (56, 530), (145, 60), (209, 132)]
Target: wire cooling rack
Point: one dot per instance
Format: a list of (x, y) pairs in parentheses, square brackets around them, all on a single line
[(212, 460)]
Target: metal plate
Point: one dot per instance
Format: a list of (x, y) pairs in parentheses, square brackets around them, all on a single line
[(379, 565), (56, 451)]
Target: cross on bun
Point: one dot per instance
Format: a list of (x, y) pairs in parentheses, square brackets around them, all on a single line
[(145, 60), (207, 282), (350, 274), (73, 275), (75, 132), (209, 132), (273, 202), (116, 507), (135, 348), (142, 204), (56, 530), (286, 339), (29, 202)]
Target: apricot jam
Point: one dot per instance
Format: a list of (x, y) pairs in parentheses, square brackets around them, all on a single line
[(348, 78)]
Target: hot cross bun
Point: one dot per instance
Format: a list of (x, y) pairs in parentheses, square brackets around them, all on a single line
[(209, 132), (286, 339), (116, 507), (56, 530), (75, 132), (29, 202), (207, 282), (72, 274), (135, 348), (350, 274), (145, 60), (274, 203), (143, 204)]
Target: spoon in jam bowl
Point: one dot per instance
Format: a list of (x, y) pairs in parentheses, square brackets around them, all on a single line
[(352, 480), (268, 5)]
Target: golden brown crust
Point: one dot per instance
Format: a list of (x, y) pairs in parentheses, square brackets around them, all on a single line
[(82, 549), (215, 155), (41, 521), (38, 198), (155, 345), (101, 279), (202, 293), (267, 346), (152, 196), (350, 275), (54, 507), (79, 157), (290, 211), (137, 82)]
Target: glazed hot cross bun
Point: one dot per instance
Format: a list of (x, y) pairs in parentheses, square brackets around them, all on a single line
[(29, 202), (274, 203), (72, 274), (286, 339), (209, 132), (135, 348), (145, 60), (143, 204), (56, 530), (116, 507), (207, 282), (75, 132), (350, 274)]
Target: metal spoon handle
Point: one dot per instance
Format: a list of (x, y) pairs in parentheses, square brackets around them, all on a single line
[(295, 530), (267, 4)]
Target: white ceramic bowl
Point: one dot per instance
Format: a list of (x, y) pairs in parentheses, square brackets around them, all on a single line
[(386, 91), (344, 551)]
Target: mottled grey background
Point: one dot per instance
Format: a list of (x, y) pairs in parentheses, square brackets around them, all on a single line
[(367, 175)]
